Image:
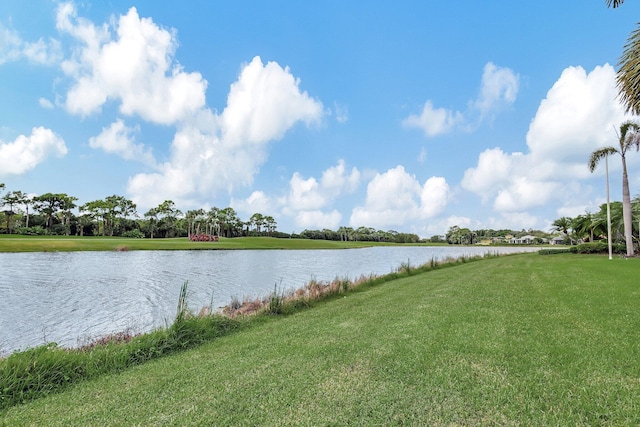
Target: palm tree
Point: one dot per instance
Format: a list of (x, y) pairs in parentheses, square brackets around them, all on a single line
[(152, 215), (563, 225), (629, 135), (194, 218), (257, 220), (213, 221), (84, 221), (270, 223), (26, 201), (617, 223), (119, 208), (68, 203), (628, 77), (98, 209), (635, 208), (585, 226), (599, 224), (50, 204), (10, 200), (230, 224)]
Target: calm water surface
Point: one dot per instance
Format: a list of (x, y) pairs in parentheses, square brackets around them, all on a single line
[(73, 297)]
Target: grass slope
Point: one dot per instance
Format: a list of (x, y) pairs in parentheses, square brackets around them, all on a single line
[(14, 243), (518, 340)]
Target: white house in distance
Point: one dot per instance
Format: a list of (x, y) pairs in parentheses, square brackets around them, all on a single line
[(558, 240), (524, 240)]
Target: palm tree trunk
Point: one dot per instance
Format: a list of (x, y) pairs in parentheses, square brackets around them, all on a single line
[(626, 209)]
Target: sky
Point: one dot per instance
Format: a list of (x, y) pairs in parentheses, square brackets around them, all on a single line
[(412, 116)]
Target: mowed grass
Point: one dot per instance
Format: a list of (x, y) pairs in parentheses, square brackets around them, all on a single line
[(14, 243), (516, 340)]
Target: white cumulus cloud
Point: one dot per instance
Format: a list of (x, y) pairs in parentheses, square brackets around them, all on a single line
[(493, 171), (318, 219), (498, 88), (523, 193), (434, 121), (311, 195), (336, 180), (45, 103), (212, 152), (13, 48), (264, 103), (341, 112), (434, 196), (130, 63), (305, 194), (579, 114), (307, 201), (26, 152), (134, 67), (396, 197), (257, 201), (118, 139)]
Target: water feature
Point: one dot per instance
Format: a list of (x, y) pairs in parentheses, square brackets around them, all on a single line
[(73, 297)]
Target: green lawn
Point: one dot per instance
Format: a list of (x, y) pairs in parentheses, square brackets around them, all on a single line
[(516, 340), (16, 243)]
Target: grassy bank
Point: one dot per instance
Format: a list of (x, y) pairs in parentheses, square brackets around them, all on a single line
[(518, 340), (37, 372), (13, 243)]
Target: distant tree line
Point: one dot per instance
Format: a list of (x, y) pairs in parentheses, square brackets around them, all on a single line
[(362, 234), (464, 236), (587, 227), (60, 214)]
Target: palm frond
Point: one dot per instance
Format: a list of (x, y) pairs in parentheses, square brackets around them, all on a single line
[(628, 76), (614, 3), (629, 135), (598, 155)]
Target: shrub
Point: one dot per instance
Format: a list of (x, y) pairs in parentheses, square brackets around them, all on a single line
[(32, 231), (134, 234), (572, 249), (599, 247)]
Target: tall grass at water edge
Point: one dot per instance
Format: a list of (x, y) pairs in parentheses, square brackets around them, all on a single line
[(47, 369)]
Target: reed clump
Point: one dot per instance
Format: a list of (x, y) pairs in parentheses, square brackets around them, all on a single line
[(315, 290), (46, 369)]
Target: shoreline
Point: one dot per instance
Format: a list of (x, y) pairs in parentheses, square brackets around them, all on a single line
[(19, 243), (120, 244)]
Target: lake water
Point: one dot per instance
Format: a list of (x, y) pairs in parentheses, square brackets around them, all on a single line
[(73, 297)]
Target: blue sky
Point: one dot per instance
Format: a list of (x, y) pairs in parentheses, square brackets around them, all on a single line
[(412, 116)]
